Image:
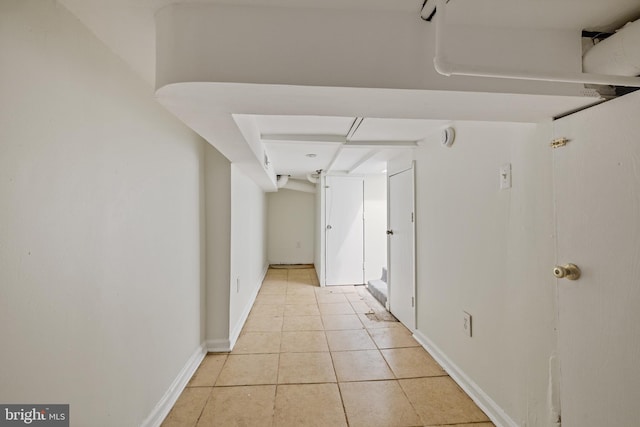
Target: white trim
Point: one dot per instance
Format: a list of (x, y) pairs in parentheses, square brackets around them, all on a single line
[(235, 333), (482, 399), (218, 346), (162, 408)]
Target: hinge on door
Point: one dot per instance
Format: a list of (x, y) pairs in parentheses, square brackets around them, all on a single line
[(559, 142), (411, 216), (413, 301)]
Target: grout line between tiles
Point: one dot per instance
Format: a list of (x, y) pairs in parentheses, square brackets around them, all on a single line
[(344, 409), (204, 406)]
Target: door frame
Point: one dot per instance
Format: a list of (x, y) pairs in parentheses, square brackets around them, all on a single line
[(413, 274)]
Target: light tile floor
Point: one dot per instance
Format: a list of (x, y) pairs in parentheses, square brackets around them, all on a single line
[(312, 356)]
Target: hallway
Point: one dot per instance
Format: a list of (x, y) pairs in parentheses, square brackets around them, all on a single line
[(311, 356)]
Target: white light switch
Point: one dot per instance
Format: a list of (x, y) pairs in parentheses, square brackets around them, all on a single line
[(505, 176)]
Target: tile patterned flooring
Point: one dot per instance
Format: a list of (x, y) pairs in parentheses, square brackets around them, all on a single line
[(311, 356)]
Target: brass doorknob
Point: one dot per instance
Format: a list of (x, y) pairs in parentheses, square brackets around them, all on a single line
[(567, 271)]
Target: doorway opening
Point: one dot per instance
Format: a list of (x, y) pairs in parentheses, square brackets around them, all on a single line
[(367, 236), (354, 229)]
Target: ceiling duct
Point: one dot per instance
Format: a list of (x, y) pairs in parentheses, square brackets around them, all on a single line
[(313, 177), (295, 184), (282, 180), (446, 68), (618, 54)]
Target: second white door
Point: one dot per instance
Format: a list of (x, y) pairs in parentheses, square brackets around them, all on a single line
[(401, 248)]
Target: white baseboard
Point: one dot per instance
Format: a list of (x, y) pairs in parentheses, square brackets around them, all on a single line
[(235, 333), (160, 412), (218, 346), (226, 345), (488, 405)]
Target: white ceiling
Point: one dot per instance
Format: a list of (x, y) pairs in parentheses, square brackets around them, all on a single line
[(289, 141), (321, 125), (313, 119), (127, 27), (396, 129)]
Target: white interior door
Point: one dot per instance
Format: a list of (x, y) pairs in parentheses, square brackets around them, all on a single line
[(597, 180), (344, 230), (401, 274)]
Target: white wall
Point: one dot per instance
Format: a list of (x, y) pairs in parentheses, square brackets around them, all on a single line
[(290, 231), (375, 226), (488, 252), (236, 248), (248, 247), (100, 225), (218, 241)]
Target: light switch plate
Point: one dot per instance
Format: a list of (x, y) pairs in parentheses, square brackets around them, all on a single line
[(505, 176), (466, 325)]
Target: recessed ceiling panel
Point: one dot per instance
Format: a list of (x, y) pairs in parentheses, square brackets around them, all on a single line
[(349, 157), (396, 129), (372, 167), (304, 125), (365, 162), (297, 159)]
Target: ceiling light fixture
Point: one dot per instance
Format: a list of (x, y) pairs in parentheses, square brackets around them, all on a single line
[(311, 155)]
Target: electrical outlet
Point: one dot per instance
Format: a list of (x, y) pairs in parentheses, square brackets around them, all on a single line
[(298, 245), (466, 325), (505, 176)]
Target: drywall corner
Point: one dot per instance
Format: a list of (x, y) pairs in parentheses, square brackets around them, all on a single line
[(248, 247)]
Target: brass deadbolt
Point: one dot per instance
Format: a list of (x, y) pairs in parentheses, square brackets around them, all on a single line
[(567, 271)]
